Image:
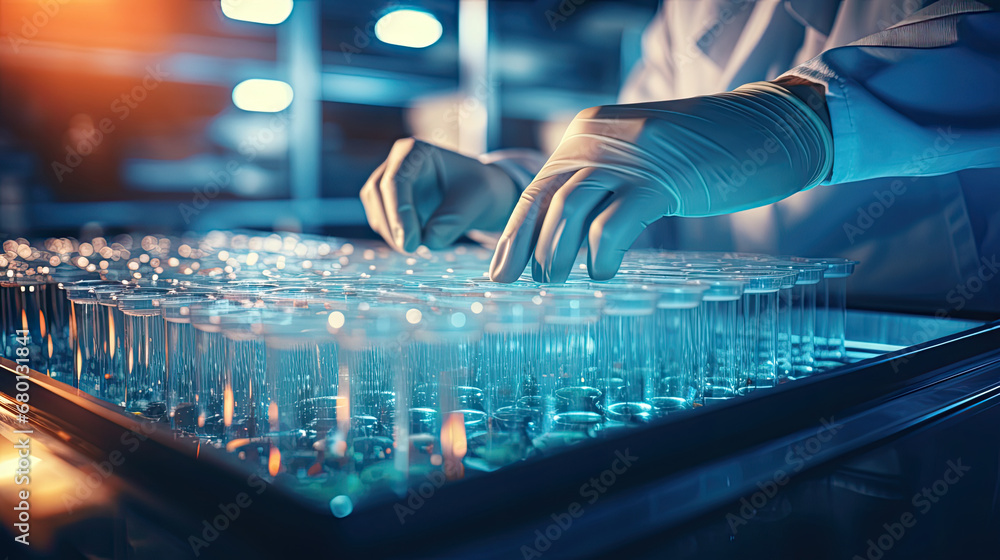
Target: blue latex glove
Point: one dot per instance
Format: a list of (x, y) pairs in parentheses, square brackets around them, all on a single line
[(619, 168), (423, 194)]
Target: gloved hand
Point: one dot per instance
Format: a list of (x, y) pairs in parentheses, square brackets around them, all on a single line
[(619, 168), (427, 195)]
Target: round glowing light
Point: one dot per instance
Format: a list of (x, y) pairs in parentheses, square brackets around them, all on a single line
[(341, 506), (458, 320), (336, 319), (269, 12), (413, 316), (408, 28), (477, 307), (262, 96)]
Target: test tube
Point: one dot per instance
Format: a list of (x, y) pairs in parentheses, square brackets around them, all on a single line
[(244, 394), (8, 317), (112, 383), (91, 326), (181, 362), (723, 366), (759, 325), (571, 376), (677, 352), (28, 322), (783, 348), (831, 312), (209, 378), (301, 380), (444, 354), (372, 340), (510, 357), (803, 320), (144, 389), (57, 309), (626, 336)]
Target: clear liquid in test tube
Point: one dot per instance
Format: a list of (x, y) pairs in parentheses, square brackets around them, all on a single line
[(207, 409), (446, 349), (571, 375), (57, 310), (180, 359), (723, 365), (510, 359), (244, 389), (301, 380), (803, 319), (8, 317), (28, 332), (90, 321), (375, 437), (112, 382), (831, 312), (626, 336), (677, 352), (783, 348), (145, 383)]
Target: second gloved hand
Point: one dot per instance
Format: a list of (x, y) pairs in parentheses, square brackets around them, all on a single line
[(423, 194), (619, 168)]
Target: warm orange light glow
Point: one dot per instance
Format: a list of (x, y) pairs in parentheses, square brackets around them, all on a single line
[(453, 444), (344, 401), (274, 461), (227, 406), (201, 420), (24, 320), (235, 444), (79, 365), (272, 415), (50, 345), (41, 323), (129, 358), (111, 337), (72, 325)]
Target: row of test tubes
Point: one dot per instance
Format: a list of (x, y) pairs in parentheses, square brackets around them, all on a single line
[(326, 359)]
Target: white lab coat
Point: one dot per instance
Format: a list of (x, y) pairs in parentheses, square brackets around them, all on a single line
[(913, 90), (914, 99)]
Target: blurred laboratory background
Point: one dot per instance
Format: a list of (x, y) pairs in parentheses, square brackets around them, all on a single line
[(177, 115)]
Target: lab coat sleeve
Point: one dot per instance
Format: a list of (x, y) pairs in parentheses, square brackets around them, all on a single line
[(917, 99)]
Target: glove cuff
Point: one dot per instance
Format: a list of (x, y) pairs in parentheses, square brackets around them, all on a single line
[(520, 164), (805, 122)]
